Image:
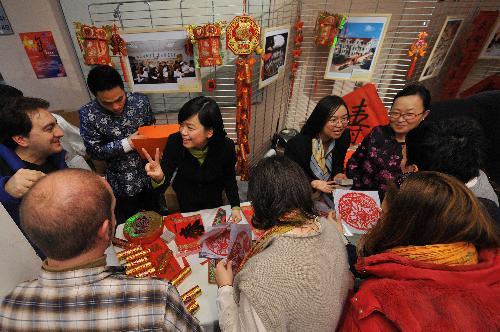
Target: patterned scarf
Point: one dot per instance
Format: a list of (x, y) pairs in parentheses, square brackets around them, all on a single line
[(286, 223), (459, 253), (321, 162)]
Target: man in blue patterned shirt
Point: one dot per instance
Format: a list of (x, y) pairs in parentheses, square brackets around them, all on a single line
[(69, 215), (107, 125)]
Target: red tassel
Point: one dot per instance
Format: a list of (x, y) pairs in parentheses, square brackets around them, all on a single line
[(412, 67)]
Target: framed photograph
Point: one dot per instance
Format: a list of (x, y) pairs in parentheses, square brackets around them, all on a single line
[(491, 48), (157, 62), (442, 47), (272, 64), (355, 55)]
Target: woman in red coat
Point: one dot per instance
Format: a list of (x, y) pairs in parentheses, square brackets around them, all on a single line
[(432, 262)]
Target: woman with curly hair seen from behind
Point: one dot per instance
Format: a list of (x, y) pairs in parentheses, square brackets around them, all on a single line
[(296, 277), (432, 262)]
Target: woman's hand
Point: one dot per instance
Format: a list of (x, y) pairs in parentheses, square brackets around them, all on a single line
[(332, 217), (236, 215), (224, 273), (339, 176), (153, 168), (323, 186)]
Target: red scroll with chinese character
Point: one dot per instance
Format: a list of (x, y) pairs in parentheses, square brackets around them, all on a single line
[(208, 39), (366, 111)]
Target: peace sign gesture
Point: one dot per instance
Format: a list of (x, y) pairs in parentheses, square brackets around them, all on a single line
[(153, 167)]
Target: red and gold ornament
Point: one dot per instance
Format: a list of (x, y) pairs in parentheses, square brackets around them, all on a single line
[(417, 49), (118, 48), (327, 28), (243, 38), (208, 39), (93, 42), (297, 52)]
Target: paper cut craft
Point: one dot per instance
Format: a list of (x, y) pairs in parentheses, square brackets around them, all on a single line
[(215, 242), (358, 210), (240, 243), (155, 137), (187, 232), (220, 217)]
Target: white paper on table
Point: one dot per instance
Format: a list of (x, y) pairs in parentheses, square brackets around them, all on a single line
[(358, 210)]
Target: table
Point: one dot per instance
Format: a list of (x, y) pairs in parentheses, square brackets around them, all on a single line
[(208, 313)]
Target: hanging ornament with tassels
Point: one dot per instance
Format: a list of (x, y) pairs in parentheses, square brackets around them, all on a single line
[(417, 49), (118, 48), (243, 38), (208, 40), (327, 28), (93, 42), (297, 52)]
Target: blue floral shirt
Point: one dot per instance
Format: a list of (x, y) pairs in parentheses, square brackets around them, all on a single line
[(103, 132)]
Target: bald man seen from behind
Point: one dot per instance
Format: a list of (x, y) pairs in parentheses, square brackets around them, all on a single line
[(69, 215)]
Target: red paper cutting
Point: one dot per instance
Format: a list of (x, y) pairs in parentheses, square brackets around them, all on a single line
[(359, 211)]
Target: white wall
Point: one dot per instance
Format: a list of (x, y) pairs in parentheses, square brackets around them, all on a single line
[(63, 93)]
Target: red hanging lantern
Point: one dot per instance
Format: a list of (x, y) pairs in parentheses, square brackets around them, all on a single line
[(93, 42), (327, 28)]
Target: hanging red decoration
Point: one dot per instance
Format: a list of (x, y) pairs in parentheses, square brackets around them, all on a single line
[(417, 49), (243, 38), (211, 85), (93, 42), (208, 39), (118, 48), (297, 51), (327, 28)]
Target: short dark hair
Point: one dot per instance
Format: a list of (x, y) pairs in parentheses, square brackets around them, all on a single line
[(64, 223), (430, 208), (324, 109), (7, 93), (103, 78), (15, 118), (416, 89), (278, 185), (451, 146), (208, 113)]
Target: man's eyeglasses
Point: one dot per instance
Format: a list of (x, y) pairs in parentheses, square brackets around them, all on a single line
[(406, 116)]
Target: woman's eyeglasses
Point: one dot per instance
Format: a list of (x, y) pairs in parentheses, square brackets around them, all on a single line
[(342, 121), (406, 116)]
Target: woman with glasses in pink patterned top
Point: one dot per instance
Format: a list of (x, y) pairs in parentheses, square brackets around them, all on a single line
[(377, 160)]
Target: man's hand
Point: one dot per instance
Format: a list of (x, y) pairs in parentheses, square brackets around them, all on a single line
[(22, 181), (134, 136), (323, 186), (224, 273), (153, 167)]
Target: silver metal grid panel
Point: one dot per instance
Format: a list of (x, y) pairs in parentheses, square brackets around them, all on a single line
[(269, 103)]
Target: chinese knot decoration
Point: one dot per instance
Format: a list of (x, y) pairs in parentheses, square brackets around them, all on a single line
[(118, 48), (327, 28), (93, 42), (208, 39), (297, 51), (243, 38), (417, 49)]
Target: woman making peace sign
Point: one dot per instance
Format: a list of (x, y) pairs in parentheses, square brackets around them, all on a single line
[(199, 159)]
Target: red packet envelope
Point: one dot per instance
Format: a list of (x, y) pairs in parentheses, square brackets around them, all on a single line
[(187, 232), (154, 137), (163, 259), (240, 243)]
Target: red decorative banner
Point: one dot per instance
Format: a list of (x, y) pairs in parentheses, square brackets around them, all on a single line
[(366, 111), (467, 55)]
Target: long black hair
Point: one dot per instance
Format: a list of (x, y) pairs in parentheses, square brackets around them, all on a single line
[(208, 113), (278, 185), (325, 108)]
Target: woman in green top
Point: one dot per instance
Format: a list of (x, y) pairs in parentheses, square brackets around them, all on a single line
[(199, 160)]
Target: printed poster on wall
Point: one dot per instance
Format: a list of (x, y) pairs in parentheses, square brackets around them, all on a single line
[(273, 63), (42, 52)]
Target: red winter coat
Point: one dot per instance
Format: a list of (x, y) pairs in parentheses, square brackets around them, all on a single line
[(410, 295)]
